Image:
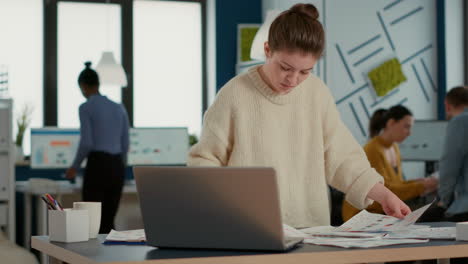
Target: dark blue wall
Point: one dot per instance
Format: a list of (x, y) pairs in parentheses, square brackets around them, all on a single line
[(229, 13), (441, 60)]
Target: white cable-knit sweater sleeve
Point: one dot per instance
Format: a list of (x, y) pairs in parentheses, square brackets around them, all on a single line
[(346, 165), (215, 144), (209, 151)]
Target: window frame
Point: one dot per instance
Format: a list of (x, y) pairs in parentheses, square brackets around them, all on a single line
[(50, 86)]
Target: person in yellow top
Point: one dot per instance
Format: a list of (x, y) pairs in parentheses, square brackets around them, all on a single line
[(386, 129)]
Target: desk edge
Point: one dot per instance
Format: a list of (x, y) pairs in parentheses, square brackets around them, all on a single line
[(58, 252), (345, 257)]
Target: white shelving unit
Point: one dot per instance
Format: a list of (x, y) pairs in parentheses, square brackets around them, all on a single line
[(7, 172)]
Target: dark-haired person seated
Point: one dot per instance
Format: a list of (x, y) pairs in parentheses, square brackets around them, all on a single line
[(387, 128)]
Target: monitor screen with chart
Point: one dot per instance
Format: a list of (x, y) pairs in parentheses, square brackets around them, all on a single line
[(53, 147), (426, 141), (56, 147), (158, 146)]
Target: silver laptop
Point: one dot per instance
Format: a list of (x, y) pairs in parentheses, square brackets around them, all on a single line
[(211, 207)]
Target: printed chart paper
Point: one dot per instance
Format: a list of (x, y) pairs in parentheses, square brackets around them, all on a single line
[(369, 222), (361, 243)]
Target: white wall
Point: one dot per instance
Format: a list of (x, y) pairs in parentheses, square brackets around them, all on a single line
[(454, 42), (407, 31)]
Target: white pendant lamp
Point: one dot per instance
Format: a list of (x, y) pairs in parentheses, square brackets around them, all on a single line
[(257, 51), (111, 73)]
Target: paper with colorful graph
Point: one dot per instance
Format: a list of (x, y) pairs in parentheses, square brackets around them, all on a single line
[(369, 222)]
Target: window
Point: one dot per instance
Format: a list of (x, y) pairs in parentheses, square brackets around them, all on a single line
[(21, 54), (160, 44), (85, 30), (168, 65)]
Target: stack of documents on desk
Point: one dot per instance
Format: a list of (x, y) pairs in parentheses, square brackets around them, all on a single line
[(327, 236), (367, 230), (446, 233), (129, 237)]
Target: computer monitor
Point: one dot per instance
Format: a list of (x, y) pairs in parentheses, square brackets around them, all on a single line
[(56, 147), (158, 146), (53, 147), (426, 142)]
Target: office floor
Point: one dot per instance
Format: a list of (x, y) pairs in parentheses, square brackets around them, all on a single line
[(11, 253)]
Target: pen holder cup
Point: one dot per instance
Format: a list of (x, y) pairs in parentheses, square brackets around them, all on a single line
[(68, 225)]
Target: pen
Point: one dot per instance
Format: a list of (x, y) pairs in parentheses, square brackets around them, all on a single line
[(57, 205), (49, 205), (54, 202), (50, 199)]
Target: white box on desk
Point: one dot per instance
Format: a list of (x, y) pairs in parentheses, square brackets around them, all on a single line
[(68, 225), (462, 231)]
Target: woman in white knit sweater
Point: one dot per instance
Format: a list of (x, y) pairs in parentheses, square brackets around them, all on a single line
[(279, 115)]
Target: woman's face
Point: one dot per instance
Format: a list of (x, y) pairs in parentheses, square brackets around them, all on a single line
[(285, 70), (400, 129)]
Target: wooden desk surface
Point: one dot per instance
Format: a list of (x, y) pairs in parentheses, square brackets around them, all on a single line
[(93, 251)]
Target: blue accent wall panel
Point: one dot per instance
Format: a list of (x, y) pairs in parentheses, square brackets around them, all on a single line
[(442, 59), (228, 15)]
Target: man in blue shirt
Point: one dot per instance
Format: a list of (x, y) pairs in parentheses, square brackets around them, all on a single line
[(104, 142), (453, 166)]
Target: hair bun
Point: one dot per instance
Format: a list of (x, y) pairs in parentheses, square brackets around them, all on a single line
[(305, 9), (87, 64)]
